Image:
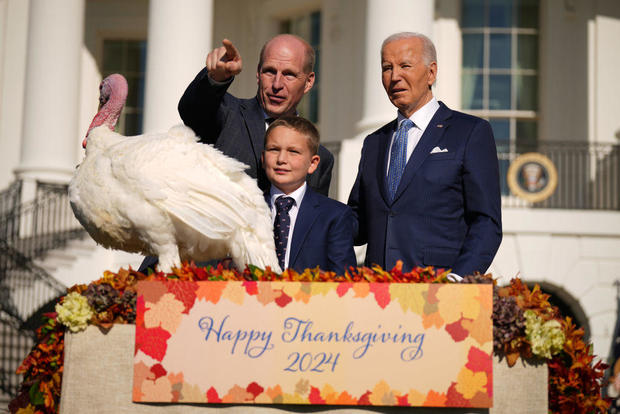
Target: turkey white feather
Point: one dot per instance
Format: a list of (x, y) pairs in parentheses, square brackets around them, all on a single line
[(167, 195)]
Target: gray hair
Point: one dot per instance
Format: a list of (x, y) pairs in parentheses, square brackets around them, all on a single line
[(429, 54)]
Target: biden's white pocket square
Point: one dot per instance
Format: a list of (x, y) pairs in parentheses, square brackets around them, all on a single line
[(437, 149)]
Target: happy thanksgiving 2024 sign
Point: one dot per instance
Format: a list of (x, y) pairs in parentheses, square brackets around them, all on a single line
[(314, 343)]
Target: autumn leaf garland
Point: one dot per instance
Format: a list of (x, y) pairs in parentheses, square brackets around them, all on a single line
[(574, 376)]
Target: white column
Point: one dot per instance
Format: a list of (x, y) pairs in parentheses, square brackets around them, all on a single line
[(449, 45), (383, 18), (50, 129), (179, 39), (3, 23)]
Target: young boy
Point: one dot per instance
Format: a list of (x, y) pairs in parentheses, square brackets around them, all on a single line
[(309, 229)]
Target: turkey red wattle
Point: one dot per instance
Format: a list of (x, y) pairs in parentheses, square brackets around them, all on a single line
[(112, 96)]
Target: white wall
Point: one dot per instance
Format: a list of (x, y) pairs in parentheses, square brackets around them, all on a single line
[(576, 254)]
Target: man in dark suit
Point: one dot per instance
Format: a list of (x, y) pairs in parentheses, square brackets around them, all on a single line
[(237, 126), (427, 190), (309, 229)]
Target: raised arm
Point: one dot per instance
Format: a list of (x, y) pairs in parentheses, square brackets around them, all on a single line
[(199, 104)]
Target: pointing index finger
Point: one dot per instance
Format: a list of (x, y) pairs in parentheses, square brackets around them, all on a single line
[(231, 51)]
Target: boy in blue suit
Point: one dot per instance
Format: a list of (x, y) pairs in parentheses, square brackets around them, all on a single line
[(309, 229)]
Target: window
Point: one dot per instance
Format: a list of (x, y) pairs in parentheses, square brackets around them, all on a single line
[(308, 27), (500, 71), (128, 57)]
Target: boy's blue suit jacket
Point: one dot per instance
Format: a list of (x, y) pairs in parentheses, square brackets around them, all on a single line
[(323, 234)]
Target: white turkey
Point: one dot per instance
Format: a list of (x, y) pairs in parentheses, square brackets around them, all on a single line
[(166, 194)]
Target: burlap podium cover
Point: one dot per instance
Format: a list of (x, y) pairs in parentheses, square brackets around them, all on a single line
[(98, 376)]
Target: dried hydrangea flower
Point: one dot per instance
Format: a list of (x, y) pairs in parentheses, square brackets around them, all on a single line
[(545, 337), (101, 296), (508, 321), (74, 312)]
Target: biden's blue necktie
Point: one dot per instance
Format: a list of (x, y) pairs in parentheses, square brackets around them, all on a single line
[(282, 226), (398, 157)]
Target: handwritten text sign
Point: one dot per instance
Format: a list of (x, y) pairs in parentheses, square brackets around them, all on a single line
[(314, 343)]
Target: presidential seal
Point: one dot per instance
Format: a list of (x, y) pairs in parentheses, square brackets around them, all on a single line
[(532, 177)]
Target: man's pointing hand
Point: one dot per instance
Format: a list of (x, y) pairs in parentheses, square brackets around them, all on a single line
[(224, 62)]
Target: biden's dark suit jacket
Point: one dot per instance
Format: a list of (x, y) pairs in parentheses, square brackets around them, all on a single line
[(447, 208), (323, 234), (237, 128)]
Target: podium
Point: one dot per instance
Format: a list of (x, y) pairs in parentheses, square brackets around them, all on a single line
[(98, 375)]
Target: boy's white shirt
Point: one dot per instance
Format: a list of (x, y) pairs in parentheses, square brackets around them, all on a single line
[(298, 196)]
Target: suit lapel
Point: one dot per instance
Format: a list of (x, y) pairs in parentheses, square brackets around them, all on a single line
[(382, 160), (433, 133), (306, 216), (255, 124)]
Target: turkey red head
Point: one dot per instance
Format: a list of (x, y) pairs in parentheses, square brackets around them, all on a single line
[(112, 96)]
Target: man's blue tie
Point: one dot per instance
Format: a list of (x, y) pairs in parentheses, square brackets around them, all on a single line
[(398, 157), (282, 226)]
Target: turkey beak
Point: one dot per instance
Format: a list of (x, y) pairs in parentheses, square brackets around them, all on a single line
[(84, 142)]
